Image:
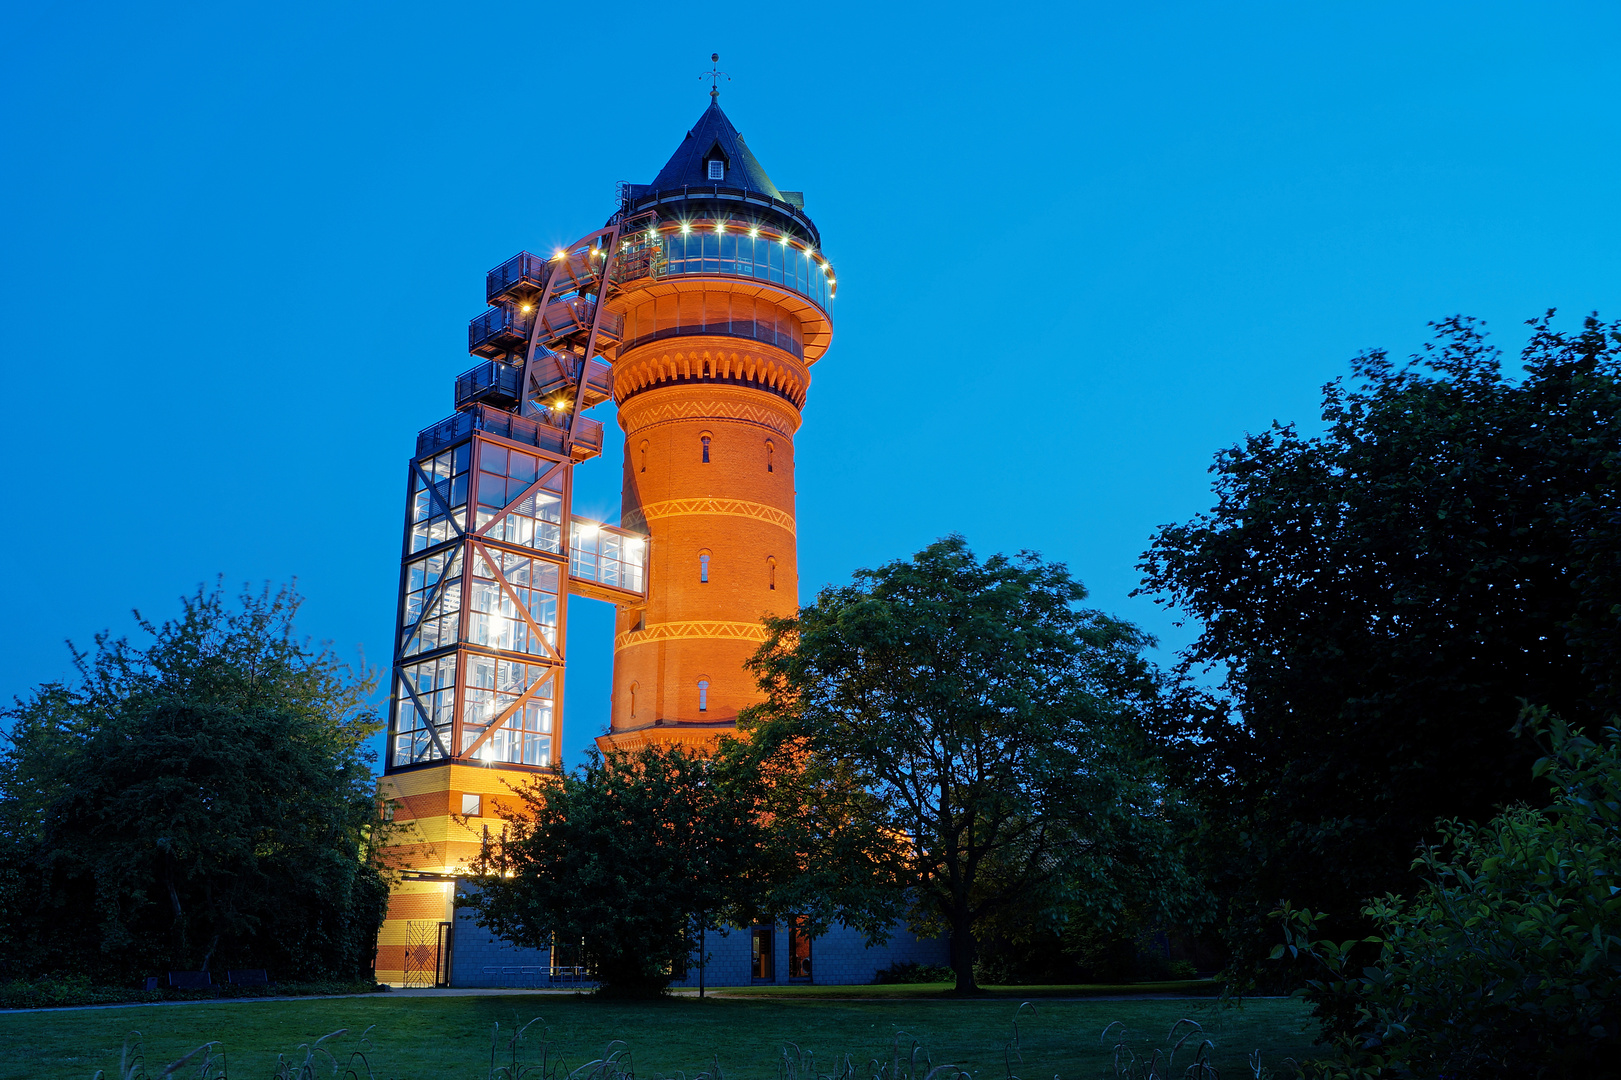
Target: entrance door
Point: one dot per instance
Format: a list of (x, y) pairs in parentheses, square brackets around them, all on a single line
[(421, 953)]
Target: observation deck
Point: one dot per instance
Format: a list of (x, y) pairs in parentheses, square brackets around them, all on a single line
[(510, 426)]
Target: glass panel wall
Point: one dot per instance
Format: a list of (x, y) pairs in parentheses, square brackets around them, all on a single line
[(495, 620), (493, 685), (433, 601), (602, 553), (447, 474), (533, 522), (434, 682)]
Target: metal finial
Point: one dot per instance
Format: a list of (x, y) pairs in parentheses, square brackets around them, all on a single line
[(715, 75)]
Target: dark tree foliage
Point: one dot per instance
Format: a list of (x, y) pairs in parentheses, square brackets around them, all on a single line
[(629, 856), (1382, 598), (1506, 960), (977, 744), (201, 802)]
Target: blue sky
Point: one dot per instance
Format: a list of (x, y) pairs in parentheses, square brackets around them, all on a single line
[(1079, 248)]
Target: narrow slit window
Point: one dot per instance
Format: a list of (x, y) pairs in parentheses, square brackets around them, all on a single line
[(703, 567), (770, 456), (644, 455), (703, 695), (633, 689), (705, 441), (771, 573)]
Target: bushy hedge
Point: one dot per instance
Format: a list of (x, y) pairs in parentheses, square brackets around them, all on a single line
[(913, 972), (1508, 960)]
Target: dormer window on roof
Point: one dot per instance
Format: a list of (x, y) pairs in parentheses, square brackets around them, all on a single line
[(717, 169)]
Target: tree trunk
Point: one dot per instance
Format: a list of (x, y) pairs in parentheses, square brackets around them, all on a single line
[(962, 953)]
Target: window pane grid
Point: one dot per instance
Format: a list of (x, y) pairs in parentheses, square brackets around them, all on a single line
[(447, 472), (436, 627), (495, 621), (602, 554), (532, 522), (435, 684), (493, 684)]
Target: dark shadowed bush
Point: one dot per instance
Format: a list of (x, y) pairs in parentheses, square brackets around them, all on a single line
[(1507, 962)]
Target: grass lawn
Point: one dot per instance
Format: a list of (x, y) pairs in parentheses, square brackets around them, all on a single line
[(448, 1038), (943, 990)]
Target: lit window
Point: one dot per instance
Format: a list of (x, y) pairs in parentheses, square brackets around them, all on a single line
[(703, 695), (470, 806), (703, 568), (717, 169)]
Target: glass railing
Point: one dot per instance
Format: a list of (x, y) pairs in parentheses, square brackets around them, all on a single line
[(607, 555), (502, 327), (522, 270), (491, 381), (738, 251), (587, 432)]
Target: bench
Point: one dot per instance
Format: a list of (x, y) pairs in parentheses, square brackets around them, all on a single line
[(191, 980), (249, 977)]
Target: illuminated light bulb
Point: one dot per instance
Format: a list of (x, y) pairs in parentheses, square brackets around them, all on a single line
[(560, 253), (720, 226), (685, 228), (754, 234), (785, 241), (561, 404), (525, 309)]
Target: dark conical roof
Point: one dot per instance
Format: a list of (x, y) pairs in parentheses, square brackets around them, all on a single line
[(714, 136)]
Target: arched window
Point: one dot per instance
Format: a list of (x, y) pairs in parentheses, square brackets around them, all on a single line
[(703, 695), (633, 688), (703, 567), (706, 369), (771, 572), (704, 439), (644, 455), (770, 456)]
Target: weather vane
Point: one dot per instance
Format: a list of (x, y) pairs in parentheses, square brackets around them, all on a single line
[(715, 75)]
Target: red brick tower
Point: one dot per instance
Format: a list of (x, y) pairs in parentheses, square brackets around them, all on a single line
[(725, 297)]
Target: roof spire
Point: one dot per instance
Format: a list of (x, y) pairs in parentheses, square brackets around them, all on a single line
[(715, 75)]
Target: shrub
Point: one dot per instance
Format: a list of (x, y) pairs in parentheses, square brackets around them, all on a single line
[(1508, 961), (914, 972)]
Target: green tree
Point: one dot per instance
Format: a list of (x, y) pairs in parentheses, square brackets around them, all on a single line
[(1381, 598), (202, 801), (1507, 961), (975, 747), (630, 856)]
